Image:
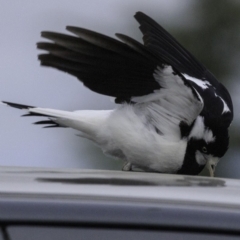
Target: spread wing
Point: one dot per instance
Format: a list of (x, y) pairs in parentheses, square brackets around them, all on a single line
[(104, 65), (159, 74), (216, 99)]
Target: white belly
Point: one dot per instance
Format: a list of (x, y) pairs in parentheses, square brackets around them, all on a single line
[(125, 136)]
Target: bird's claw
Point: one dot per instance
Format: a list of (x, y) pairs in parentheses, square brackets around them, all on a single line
[(127, 166)]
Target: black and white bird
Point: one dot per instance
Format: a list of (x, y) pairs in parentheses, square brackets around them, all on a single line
[(173, 115)]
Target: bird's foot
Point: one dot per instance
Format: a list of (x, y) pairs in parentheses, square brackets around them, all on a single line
[(127, 166)]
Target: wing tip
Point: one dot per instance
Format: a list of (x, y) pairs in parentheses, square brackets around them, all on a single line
[(139, 13), (139, 16)]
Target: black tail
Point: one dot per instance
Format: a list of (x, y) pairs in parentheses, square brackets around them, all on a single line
[(16, 105), (50, 123)]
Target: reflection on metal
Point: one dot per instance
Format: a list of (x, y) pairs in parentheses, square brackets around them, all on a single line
[(173, 182)]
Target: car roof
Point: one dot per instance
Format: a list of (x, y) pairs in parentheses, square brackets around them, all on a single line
[(128, 186), (115, 198)]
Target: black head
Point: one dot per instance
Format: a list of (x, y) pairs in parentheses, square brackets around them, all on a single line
[(191, 166), (206, 144)]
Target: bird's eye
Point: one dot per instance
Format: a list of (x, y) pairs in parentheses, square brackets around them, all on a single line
[(204, 149)]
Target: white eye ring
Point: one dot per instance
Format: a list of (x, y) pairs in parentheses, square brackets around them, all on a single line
[(204, 149)]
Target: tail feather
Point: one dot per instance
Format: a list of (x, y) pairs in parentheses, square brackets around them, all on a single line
[(32, 114), (27, 107), (44, 122), (17, 105), (37, 112), (49, 124), (54, 126), (88, 122)]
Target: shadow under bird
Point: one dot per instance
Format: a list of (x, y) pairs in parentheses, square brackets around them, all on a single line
[(173, 115)]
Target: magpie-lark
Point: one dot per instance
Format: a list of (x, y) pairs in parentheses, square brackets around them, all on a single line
[(173, 115)]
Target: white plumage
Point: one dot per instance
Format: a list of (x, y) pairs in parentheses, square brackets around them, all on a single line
[(146, 134)]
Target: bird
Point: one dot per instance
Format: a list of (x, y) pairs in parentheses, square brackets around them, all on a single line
[(171, 116)]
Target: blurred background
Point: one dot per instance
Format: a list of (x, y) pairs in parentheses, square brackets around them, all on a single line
[(209, 29)]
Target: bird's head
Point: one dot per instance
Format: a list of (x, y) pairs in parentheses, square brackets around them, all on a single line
[(206, 144)]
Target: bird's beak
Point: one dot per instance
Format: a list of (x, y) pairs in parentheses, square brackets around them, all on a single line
[(211, 165)]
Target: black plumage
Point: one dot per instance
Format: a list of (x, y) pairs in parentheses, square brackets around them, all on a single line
[(103, 64)]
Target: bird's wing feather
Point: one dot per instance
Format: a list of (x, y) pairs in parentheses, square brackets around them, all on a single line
[(217, 101), (173, 108), (127, 69), (103, 64), (167, 49)]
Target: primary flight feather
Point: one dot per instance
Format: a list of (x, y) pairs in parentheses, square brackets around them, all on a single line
[(173, 115)]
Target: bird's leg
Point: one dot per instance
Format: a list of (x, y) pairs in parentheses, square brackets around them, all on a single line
[(127, 166)]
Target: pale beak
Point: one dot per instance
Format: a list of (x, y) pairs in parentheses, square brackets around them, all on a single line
[(211, 165)]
